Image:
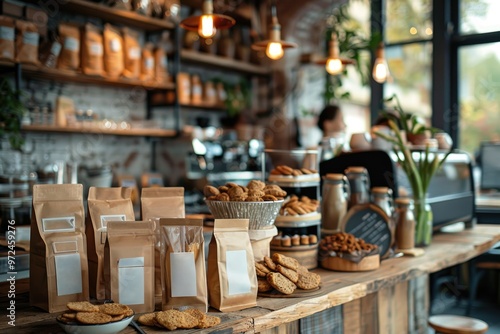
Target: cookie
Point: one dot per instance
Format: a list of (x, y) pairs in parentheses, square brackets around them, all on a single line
[(285, 261), (256, 192), (288, 273), (82, 307), (270, 263), (93, 318), (66, 320), (308, 281), (113, 309), (262, 267), (269, 197), (254, 199), (69, 315), (117, 317), (263, 285), (210, 321), (256, 185), (147, 319), (285, 170), (305, 171), (235, 192), (173, 319), (129, 312), (260, 273), (281, 283), (210, 191), (200, 316), (301, 270), (222, 197)]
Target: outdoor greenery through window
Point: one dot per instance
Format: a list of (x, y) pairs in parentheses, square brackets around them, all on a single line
[(479, 76), (408, 35)]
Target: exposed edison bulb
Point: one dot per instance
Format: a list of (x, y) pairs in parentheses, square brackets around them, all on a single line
[(206, 28), (274, 50), (380, 70), (334, 66)]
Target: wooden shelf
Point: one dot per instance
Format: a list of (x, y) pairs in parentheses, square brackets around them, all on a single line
[(192, 106), (113, 15), (164, 133), (223, 62), (45, 73)]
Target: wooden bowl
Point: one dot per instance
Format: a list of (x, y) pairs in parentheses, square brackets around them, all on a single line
[(371, 262)]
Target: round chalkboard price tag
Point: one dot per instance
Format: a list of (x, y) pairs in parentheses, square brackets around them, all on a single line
[(370, 223)]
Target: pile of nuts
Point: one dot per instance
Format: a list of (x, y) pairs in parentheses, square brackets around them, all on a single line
[(287, 170), (299, 206), (344, 242), (255, 191)]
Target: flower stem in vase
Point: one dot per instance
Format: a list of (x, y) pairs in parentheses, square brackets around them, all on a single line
[(423, 219)]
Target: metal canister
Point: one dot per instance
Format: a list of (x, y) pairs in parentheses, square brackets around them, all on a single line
[(335, 193)]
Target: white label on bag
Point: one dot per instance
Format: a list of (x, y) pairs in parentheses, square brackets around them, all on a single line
[(71, 44), (183, 277), (95, 49), (55, 49), (7, 33), (237, 272), (163, 62), (59, 224), (196, 90), (131, 281), (104, 224), (134, 53), (30, 38), (115, 45), (68, 274), (149, 63)]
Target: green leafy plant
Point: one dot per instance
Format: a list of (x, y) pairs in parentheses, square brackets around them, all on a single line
[(237, 98), (11, 112), (419, 166)]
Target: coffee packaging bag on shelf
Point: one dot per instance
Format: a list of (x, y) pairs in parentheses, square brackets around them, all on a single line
[(92, 53), (7, 38), (69, 58), (231, 275), (161, 65), (129, 264), (58, 255), (148, 63), (113, 51), (27, 39), (132, 53), (50, 51), (183, 275), (184, 88), (104, 205), (196, 90), (156, 203)]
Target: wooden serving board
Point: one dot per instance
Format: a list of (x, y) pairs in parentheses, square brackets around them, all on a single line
[(298, 293)]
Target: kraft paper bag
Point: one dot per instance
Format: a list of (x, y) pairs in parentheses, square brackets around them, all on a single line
[(104, 205), (232, 280), (156, 203), (129, 264), (183, 275), (58, 255)]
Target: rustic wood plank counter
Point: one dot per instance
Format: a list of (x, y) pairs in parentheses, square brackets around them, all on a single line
[(378, 301)]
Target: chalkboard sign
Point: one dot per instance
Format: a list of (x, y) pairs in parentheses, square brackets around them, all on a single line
[(370, 223)]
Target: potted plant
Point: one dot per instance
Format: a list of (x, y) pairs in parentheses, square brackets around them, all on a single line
[(11, 112), (418, 165)]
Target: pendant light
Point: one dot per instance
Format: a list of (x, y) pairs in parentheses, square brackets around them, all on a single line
[(380, 69), (274, 46), (334, 64), (207, 23)]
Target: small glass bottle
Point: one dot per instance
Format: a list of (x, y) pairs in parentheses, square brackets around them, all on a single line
[(334, 201), (405, 223)]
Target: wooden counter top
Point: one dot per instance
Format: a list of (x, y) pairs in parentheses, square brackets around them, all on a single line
[(338, 288)]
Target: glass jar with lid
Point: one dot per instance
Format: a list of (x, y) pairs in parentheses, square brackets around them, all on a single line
[(382, 197), (359, 183), (405, 223), (335, 193)]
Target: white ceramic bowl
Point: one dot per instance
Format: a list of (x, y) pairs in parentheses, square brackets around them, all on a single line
[(109, 328), (261, 215)]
